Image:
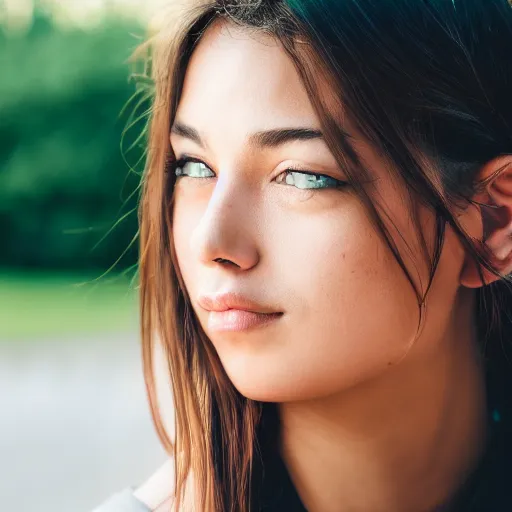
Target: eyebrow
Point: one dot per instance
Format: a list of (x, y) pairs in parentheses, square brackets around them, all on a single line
[(261, 139)]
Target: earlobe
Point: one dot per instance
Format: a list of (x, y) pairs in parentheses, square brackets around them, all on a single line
[(495, 202), (502, 262)]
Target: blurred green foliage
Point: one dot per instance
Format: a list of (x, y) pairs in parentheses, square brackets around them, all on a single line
[(38, 305), (67, 196)]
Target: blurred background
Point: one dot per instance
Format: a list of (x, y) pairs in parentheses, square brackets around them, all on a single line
[(75, 426)]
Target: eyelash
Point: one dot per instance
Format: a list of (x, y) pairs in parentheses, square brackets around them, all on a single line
[(184, 160)]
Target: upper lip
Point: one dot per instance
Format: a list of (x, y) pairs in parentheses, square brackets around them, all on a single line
[(233, 300)]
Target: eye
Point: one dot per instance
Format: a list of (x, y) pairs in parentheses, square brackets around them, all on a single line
[(192, 168), (309, 180)]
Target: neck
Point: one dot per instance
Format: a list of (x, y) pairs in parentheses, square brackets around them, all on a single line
[(404, 441)]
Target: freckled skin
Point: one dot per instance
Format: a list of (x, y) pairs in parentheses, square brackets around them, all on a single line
[(349, 311)]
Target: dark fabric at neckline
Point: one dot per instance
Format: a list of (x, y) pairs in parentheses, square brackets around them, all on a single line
[(272, 489), (487, 489)]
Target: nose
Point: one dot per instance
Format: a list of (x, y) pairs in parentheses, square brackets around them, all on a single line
[(227, 230)]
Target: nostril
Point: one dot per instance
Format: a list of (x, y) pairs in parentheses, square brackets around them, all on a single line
[(222, 260)]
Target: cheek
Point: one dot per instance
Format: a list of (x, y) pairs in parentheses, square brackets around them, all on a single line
[(356, 312), (351, 312)]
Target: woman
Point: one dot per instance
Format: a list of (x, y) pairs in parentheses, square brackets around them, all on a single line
[(326, 243)]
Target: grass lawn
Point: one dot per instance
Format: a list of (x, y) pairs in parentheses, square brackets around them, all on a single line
[(36, 305)]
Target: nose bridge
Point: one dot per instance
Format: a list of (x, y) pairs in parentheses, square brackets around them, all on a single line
[(224, 230)]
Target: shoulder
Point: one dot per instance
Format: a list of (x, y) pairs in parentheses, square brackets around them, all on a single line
[(123, 501), (158, 489), (153, 495), (157, 493)]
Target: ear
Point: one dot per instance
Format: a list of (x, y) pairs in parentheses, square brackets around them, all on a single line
[(493, 225)]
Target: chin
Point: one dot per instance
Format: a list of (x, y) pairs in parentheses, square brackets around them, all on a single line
[(268, 389)]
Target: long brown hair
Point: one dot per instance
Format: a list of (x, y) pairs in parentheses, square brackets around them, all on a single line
[(427, 83)]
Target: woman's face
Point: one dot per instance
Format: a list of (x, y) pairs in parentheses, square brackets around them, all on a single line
[(349, 313)]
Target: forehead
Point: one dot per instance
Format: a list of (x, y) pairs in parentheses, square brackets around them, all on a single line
[(242, 79)]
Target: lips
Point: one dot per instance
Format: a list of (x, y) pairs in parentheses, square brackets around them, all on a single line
[(232, 300), (232, 311), (239, 320)]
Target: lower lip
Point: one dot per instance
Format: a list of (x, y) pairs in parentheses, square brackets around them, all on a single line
[(239, 320)]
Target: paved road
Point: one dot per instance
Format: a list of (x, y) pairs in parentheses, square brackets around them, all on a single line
[(74, 423)]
